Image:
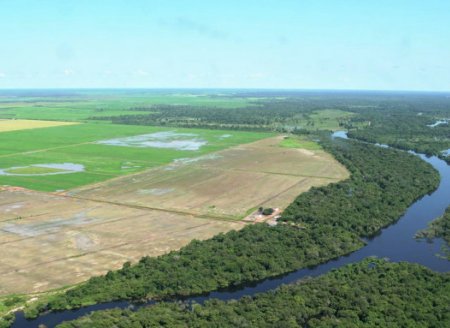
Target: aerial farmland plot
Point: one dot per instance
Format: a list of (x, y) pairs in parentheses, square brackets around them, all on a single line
[(225, 184), (50, 241), (87, 153), (13, 125), (80, 199)]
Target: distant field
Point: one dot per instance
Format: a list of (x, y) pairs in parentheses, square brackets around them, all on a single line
[(83, 107), (14, 125), (77, 145), (298, 142), (327, 119)]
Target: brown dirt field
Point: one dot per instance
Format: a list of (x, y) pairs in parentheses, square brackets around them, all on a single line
[(60, 241), (226, 185)]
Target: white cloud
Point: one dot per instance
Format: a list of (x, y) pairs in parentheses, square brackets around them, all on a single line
[(68, 72)]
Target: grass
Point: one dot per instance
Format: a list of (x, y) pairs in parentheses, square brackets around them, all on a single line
[(327, 119), (76, 144), (33, 170), (297, 142)]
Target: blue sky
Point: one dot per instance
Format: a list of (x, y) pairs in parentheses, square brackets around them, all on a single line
[(306, 44)]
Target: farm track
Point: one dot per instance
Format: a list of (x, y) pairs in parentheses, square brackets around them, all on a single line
[(142, 207), (278, 173)]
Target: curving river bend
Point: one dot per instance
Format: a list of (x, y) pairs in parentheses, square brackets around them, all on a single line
[(395, 242)]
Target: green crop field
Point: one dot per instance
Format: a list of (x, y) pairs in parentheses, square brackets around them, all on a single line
[(298, 142), (21, 152), (85, 106)]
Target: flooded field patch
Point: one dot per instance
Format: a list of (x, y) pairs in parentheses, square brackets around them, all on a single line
[(43, 169), (166, 139)]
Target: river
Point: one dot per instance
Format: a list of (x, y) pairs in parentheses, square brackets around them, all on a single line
[(395, 242)]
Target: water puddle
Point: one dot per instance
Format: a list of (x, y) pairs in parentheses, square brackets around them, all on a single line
[(40, 228), (186, 161), (155, 191), (167, 140), (42, 169)]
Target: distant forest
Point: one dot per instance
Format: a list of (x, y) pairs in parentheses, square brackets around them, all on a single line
[(401, 120)]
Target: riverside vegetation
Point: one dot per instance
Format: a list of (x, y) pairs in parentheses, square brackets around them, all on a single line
[(439, 228), (371, 293)]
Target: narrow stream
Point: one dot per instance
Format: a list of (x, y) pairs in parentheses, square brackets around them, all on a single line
[(395, 242)]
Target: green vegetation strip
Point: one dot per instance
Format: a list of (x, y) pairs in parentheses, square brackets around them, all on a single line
[(326, 222), (439, 228), (372, 293), (298, 142)]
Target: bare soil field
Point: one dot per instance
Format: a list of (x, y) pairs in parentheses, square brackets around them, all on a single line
[(14, 125), (226, 184), (50, 241)]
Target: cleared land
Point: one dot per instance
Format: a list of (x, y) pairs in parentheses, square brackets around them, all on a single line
[(49, 240), (14, 125), (226, 184)]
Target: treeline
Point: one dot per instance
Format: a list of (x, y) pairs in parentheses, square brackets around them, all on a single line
[(406, 128), (383, 183), (439, 228), (322, 228), (371, 293), (267, 115)]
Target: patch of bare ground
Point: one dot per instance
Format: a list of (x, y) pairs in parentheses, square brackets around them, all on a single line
[(49, 241)]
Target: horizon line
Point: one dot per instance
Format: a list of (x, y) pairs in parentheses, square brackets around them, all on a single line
[(226, 88)]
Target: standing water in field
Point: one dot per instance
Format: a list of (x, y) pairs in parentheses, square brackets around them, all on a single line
[(43, 169), (167, 139)]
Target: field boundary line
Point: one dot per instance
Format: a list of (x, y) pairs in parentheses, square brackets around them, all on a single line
[(143, 207)]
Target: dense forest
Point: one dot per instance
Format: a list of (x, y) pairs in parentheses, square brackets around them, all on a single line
[(407, 129), (439, 228), (316, 228), (371, 293), (273, 115), (374, 196)]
